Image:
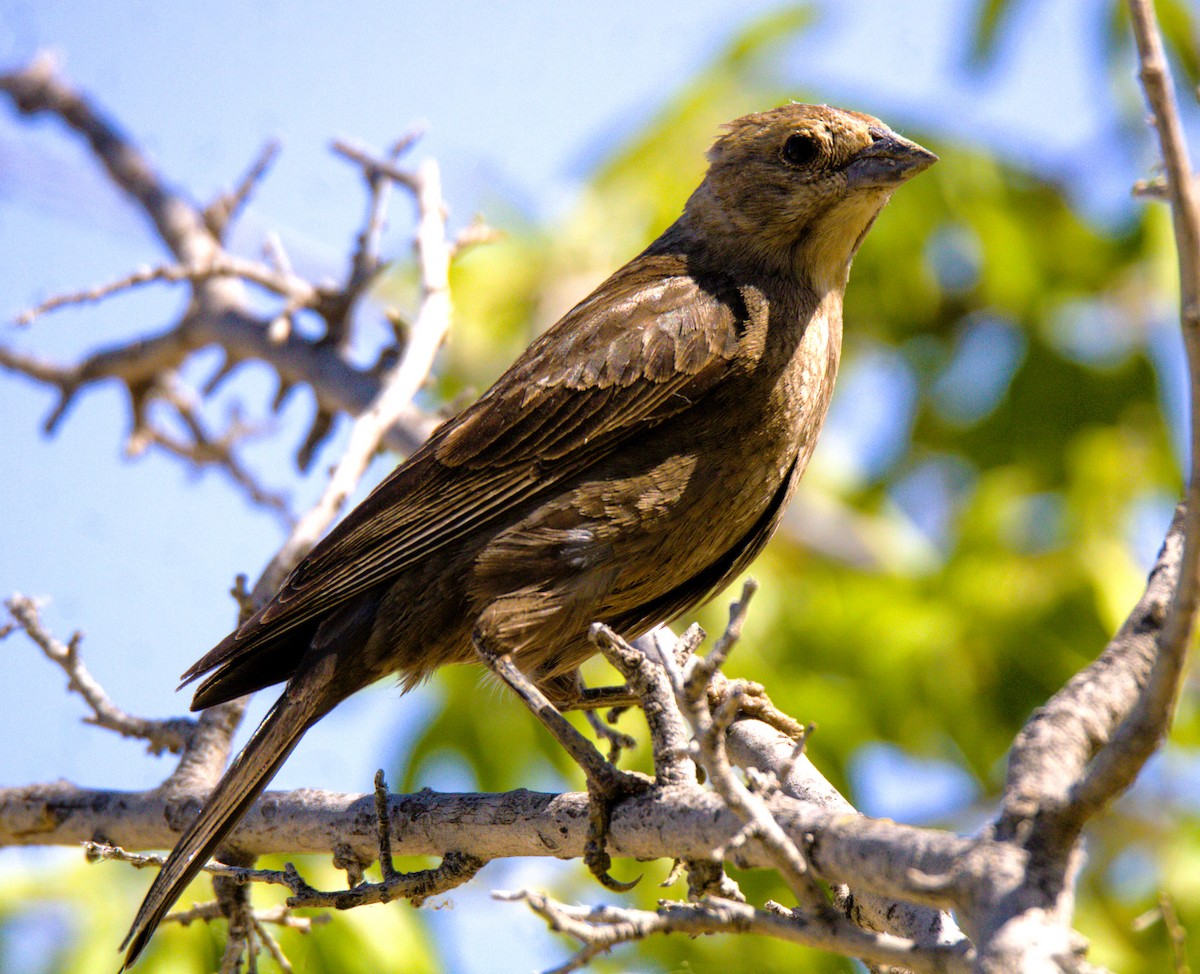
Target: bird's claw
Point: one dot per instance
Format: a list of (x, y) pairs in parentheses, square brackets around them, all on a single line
[(603, 797)]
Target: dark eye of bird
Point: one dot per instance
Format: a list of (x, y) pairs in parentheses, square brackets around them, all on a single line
[(801, 150)]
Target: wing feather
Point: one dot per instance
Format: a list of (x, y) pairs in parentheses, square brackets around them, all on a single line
[(646, 345)]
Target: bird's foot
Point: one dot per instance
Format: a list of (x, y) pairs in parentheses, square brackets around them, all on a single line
[(755, 703), (603, 796)]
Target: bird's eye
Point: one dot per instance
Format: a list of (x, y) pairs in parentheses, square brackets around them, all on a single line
[(801, 150)]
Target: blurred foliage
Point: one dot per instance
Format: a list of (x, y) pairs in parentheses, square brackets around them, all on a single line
[(998, 464), (70, 915)]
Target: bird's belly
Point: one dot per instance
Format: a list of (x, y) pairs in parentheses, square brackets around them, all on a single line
[(691, 509)]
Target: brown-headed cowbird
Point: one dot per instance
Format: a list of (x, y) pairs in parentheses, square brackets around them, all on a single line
[(628, 465)]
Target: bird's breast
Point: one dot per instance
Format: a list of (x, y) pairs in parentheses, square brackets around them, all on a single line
[(706, 480)]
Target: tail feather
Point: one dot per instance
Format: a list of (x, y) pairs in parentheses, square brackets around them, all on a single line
[(242, 783)]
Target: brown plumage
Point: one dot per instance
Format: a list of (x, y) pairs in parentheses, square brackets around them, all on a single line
[(627, 466)]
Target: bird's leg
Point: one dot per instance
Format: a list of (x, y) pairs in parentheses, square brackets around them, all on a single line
[(568, 692), (607, 785)]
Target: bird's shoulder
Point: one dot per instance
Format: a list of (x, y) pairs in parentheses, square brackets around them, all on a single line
[(649, 341)]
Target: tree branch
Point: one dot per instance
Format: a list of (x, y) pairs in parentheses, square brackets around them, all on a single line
[(1147, 723), (602, 927), (220, 312), (657, 823), (173, 735), (753, 744), (38, 89)]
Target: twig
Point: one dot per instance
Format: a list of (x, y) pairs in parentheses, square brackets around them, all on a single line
[(474, 234), (691, 692), (220, 264), (370, 163), (173, 735), (280, 916), (221, 313), (364, 262), (618, 741), (1052, 750), (753, 744), (397, 392), (37, 89), (222, 211), (601, 928), (203, 449), (668, 734), (267, 940), (1117, 765), (386, 866), (456, 868), (233, 900)]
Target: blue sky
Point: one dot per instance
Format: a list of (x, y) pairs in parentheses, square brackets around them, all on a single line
[(520, 101)]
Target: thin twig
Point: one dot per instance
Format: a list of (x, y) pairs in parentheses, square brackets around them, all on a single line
[(365, 262), (398, 389), (37, 88), (279, 916), (456, 868), (222, 211), (600, 928), (172, 735), (668, 733), (1140, 734), (203, 449), (386, 866), (370, 163), (692, 694), (221, 264)]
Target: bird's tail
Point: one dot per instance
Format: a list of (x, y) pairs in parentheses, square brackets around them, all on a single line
[(281, 730)]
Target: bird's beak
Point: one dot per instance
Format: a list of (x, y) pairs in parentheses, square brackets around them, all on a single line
[(888, 161)]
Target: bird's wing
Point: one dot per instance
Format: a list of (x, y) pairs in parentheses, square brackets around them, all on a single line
[(643, 347)]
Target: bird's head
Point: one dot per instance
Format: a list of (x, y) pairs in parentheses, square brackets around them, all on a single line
[(795, 189)]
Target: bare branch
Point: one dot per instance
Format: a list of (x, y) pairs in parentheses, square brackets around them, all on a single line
[(600, 928), (395, 397), (1143, 729), (365, 262), (161, 735), (1052, 750), (37, 88), (753, 744), (668, 733), (371, 164), (685, 822), (222, 264), (220, 312), (691, 694), (474, 234), (279, 916), (221, 212)]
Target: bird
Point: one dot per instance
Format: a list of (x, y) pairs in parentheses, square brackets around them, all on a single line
[(632, 461)]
